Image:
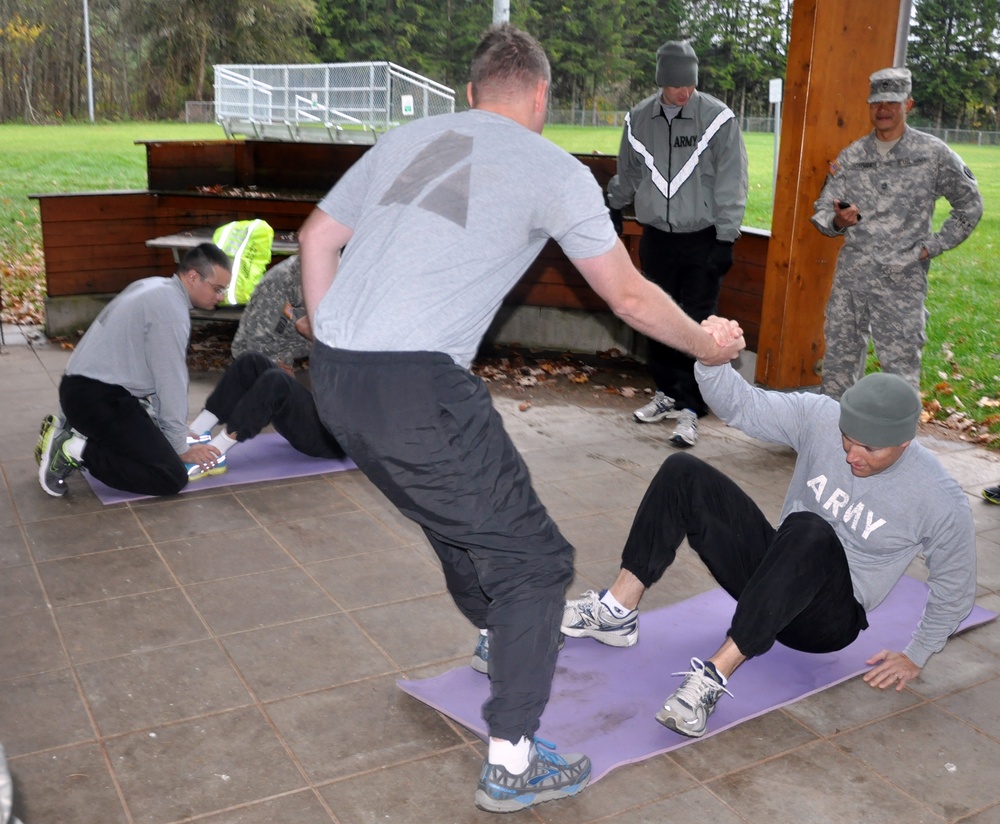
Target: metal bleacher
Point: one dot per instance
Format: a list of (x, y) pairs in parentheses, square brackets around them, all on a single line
[(326, 102)]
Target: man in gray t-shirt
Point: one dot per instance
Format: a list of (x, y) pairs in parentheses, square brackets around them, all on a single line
[(440, 219)]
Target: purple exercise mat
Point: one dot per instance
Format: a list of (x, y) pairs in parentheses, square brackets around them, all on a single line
[(604, 698), (267, 457)]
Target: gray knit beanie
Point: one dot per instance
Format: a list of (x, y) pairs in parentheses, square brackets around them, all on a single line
[(676, 65), (880, 410)]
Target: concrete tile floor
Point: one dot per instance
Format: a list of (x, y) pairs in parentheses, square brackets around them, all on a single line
[(231, 656)]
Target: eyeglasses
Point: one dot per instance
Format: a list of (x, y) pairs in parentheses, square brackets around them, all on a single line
[(219, 290)]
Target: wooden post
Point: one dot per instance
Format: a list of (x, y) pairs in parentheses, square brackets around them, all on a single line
[(833, 49)]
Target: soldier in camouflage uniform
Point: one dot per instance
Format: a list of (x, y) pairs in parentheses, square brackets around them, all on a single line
[(274, 321), (880, 198)]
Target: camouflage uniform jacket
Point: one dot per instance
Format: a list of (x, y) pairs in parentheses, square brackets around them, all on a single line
[(268, 322), (684, 175), (895, 195)]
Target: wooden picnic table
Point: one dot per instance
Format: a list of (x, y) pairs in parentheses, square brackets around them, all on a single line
[(284, 243)]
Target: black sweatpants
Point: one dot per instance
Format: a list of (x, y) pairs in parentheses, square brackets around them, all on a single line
[(125, 448), (791, 584), (681, 265), (254, 392), (425, 432)]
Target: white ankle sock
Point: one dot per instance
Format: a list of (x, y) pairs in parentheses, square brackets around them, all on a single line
[(611, 603), (514, 757), (204, 422), (74, 447), (222, 442)]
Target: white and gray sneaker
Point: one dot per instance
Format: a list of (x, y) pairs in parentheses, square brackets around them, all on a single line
[(481, 654), (687, 709), (660, 407), (587, 617), (686, 430)]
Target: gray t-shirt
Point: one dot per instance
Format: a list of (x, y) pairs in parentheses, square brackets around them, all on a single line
[(912, 508), (448, 212)]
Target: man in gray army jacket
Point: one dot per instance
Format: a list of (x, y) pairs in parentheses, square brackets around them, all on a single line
[(880, 197), (683, 164)]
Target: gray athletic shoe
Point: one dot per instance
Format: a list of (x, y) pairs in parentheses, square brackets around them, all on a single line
[(54, 463), (549, 776), (660, 407), (687, 710), (481, 654), (587, 617), (686, 430)]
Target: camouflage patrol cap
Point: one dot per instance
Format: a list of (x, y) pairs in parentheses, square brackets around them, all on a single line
[(890, 86)]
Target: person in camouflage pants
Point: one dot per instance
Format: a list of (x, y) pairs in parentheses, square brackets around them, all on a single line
[(274, 322), (880, 198)]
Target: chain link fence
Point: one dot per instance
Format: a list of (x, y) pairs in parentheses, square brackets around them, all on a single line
[(199, 111), (589, 117), (969, 136), (204, 112)]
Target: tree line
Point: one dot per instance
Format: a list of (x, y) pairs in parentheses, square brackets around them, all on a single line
[(150, 56)]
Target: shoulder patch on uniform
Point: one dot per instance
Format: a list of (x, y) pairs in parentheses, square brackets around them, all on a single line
[(968, 173)]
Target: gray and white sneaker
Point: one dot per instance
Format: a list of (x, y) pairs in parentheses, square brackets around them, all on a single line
[(661, 406), (481, 654), (686, 430), (687, 709), (549, 776), (587, 617)]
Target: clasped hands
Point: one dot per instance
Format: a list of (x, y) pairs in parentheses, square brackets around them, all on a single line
[(727, 338)]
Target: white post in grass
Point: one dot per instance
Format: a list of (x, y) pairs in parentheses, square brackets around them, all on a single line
[(90, 72), (501, 11)]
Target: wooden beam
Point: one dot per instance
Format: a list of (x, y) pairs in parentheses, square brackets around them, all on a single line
[(834, 48)]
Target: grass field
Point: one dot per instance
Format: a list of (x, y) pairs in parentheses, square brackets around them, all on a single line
[(961, 360)]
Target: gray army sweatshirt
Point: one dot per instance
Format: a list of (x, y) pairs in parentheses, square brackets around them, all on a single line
[(912, 508)]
